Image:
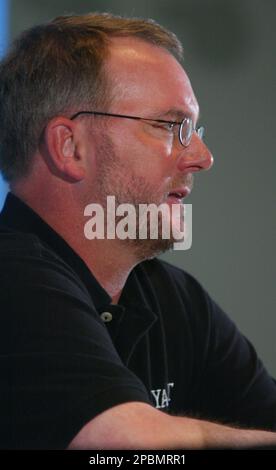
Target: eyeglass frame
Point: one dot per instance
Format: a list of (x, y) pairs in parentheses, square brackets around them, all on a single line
[(199, 130)]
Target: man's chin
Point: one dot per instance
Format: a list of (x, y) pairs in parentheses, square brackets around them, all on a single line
[(150, 248), (161, 239)]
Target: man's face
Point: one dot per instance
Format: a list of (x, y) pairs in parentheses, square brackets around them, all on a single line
[(137, 161)]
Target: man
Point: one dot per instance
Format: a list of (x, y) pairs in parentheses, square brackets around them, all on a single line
[(101, 344)]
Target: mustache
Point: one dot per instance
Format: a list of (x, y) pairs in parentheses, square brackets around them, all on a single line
[(187, 180)]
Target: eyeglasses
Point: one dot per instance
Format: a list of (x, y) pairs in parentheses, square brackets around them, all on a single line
[(185, 131)]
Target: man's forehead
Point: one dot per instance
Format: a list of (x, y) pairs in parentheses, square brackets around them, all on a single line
[(143, 71), (135, 53)]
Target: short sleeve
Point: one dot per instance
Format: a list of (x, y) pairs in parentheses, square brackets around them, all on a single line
[(59, 368)]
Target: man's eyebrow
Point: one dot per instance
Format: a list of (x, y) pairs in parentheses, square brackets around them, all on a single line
[(174, 114)]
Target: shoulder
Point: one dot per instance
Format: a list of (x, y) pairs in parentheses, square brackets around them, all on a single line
[(24, 257), (14, 244), (17, 245), (37, 284)]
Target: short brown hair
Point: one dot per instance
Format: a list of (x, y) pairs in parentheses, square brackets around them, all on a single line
[(56, 67)]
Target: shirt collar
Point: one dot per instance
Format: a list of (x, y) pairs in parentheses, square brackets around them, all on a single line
[(20, 217)]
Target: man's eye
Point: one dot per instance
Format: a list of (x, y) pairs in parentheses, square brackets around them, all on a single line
[(165, 126), (170, 126)]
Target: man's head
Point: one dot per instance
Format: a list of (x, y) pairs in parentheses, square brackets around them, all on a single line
[(56, 68), (110, 65)]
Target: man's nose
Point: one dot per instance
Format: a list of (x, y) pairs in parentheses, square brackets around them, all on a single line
[(195, 157)]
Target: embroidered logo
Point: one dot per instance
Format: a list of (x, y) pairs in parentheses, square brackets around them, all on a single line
[(162, 396)]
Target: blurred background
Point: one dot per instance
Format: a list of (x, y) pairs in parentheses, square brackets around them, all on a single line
[(230, 57)]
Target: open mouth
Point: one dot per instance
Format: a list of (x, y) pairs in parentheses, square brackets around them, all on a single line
[(178, 194)]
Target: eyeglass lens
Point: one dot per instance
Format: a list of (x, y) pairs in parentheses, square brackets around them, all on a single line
[(186, 131)]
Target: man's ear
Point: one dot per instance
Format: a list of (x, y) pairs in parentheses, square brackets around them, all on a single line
[(65, 153)]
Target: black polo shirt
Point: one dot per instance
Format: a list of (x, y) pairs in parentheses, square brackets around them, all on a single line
[(67, 354)]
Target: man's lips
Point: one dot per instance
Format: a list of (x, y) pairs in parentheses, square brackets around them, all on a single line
[(177, 194)]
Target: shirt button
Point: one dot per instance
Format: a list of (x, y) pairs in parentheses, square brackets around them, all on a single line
[(106, 316)]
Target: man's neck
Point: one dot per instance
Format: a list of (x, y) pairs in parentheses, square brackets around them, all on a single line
[(110, 261)]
